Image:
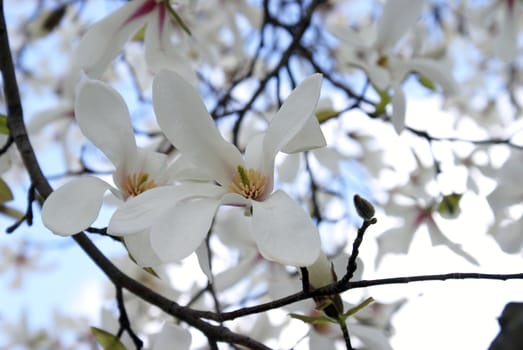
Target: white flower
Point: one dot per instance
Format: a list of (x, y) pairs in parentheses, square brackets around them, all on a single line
[(374, 52), (105, 39), (103, 117), (415, 214), (180, 216)]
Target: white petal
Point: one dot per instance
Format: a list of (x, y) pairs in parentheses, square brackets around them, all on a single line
[(141, 212), (180, 232), (234, 228), (309, 137), (438, 238), (397, 17), (509, 237), (289, 168), (74, 206), (290, 119), (64, 110), (284, 232), (379, 76), (139, 247), (185, 121), (202, 253), (399, 108), (105, 39), (373, 338), (103, 117), (244, 267), (320, 273), (437, 72), (173, 337), (395, 240)]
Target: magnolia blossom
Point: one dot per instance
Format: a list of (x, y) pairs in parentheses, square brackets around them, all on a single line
[(105, 39), (179, 217), (415, 214), (325, 335), (103, 117), (374, 52)]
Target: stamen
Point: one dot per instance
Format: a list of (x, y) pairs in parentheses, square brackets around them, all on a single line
[(248, 183), (243, 176), (137, 183)]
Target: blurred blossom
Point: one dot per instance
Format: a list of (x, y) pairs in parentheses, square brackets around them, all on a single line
[(374, 50), (106, 39)]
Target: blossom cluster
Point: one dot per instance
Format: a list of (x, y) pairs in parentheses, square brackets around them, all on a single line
[(198, 182)]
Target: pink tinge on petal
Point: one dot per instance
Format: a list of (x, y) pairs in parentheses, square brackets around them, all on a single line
[(161, 19), (143, 10)]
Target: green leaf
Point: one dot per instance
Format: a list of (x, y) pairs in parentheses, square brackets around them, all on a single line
[(107, 340), (449, 205), (426, 82), (357, 308), (313, 320), (5, 192), (3, 125), (325, 114)]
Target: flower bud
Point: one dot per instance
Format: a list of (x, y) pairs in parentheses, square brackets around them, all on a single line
[(364, 208)]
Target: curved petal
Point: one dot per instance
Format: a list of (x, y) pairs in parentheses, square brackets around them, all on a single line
[(290, 119), (202, 253), (173, 337), (438, 238), (142, 212), (395, 240), (380, 77), (179, 233), (74, 206), (105, 39), (103, 117), (309, 137), (284, 232), (139, 247), (185, 121), (321, 273), (435, 71), (399, 108)]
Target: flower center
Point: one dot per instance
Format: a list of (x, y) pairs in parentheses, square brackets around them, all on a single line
[(137, 183), (249, 183)]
